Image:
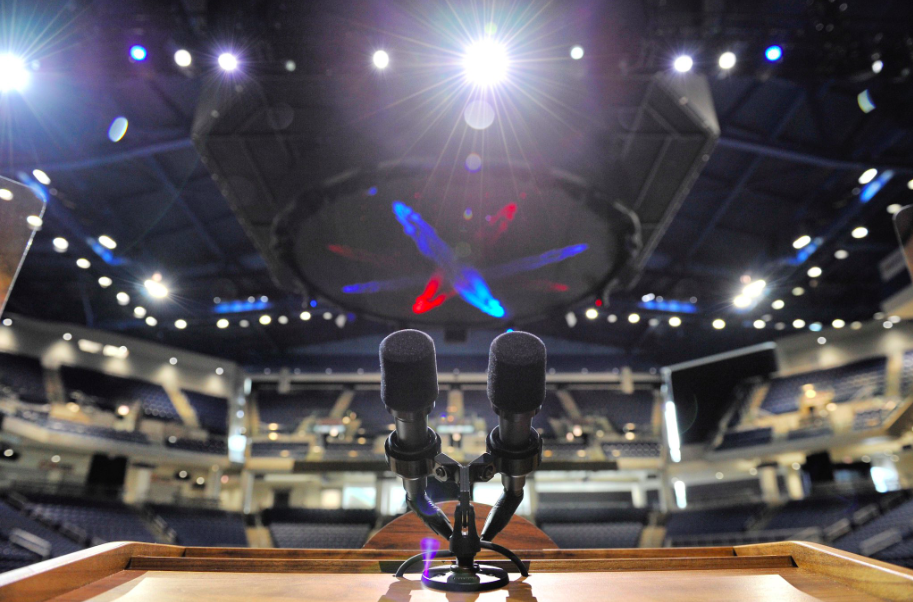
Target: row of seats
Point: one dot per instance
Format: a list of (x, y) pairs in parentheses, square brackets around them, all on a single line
[(99, 520), (22, 377), (213, 446), (318, 528), (85, 430), (747, 438), (203, 527), (864, 378)]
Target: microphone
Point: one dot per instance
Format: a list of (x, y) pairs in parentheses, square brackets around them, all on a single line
[(516, 389), (409, 388)]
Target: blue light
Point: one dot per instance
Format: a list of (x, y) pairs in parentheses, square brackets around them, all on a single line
[(236, 307), (677, 307), (372, 191), (313, 303), (510, 330), (773, 53), (804, 253), (874, 187), (138, 53)]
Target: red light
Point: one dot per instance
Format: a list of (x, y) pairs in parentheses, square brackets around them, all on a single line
[(598, 303)]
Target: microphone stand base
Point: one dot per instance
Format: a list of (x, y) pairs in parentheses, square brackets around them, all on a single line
[(480, 578)]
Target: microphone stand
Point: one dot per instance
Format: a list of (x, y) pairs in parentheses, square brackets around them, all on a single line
[(466, 575)]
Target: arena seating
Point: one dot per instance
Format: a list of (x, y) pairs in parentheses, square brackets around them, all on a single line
[(214, 446), (204, 527), (810, 432), (906, 374), (898, 518), (551, 408), (11, 518), (276, 449), (346, 451), (316, 528), (101, 520), (108, 392), (594, 535), (710, 520), (23, 377), (862, 378), (14, 557), (589, 512), (211, 411), (85, 430), (619, 408), (288, 410), (631, 449), (749, 438), (476, 403), (369, 409)]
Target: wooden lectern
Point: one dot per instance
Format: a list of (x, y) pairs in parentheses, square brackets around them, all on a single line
[(775, 572)]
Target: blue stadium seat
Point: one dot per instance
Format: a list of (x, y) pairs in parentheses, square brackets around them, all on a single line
[(288, 410), (10, 519), (279, 449), (108, 392), (203, 527), (749, 438), (619, 408), (211, 411), (22, 376), (594, 535)]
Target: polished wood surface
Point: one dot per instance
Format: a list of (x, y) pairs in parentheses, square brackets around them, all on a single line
[(129, 572), (407, 532)]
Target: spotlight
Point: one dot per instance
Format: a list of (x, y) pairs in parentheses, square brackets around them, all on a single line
[(6, 194), (265, 319), (634, 318), (485, 63), (105, 282), (123, 298), (778, 304), (180, 324), (151, 321), (877, 66), (802, 241), (893, 208), (222, 323), (138, 53), (683, 63), (799, 323), (173, 361), (838, 323), (675, 321), (107, 242), (34, 221), (868, 175), (228, 61), (13, 74), (742, 301), (814, 272), (156, 289), (118, 129), (61, 244), (305, 315), (592, 314), (860, 232), (719, 324), (727, 61), (577, 53), (759, 324), (865, 102), (841, 254), (773, 53), (381, 59), (41, 176), (182, 58), (798, 291), (139, 311)]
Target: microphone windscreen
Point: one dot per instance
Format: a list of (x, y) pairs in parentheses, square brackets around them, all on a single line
[(516, 372), (408, 371)]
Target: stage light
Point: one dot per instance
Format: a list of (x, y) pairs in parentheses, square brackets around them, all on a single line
[(773, 53), (60, 244), (180, 324), (727, 61), (173, 361), (888, 324), (228, 61), (577, 53), (381, 59), (13, 73), (83, 263), (868, 175), (107, 242), (592, 314), (485, 62), (634, 318), (719, 324), (265, 319), (156, 289), (877, 66), (67, 336), (841, 254), (860, 232), (283, 320), (182, 58), (814, 272), (815, 326), (894, 319), (138, 53), (799, 323), (612, 318), (798, 291), (6, 194), (105, 282), (151, 321), (778, 304), (759, 324), (802, 241), (222, 323), (893, 208), (683, 63), (856, 325), (117, 129), (123, 298), (754, 289), (34, 221), (42, 177), (675, 321), (742, 301), (305, 315), (838, 323), (139, 311)]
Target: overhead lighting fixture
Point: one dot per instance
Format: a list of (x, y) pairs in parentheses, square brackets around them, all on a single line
[(67, 336), (118, 129), (815, 326), (802, 241), (888, 324), (759, 324), (13, 73), (228, 61), (123, 298), (727, 61), (814, 272), (719, 324), (675, 321), (634, 318), (838, 323), (798, 291), (173, 361), (856, 325), (150, 321), (83, 263), (742, 301), (220, 371), (105, 282), (305, 315), (87, 346), (778, 304), (183, 58), (841, 254), (822, 340), (61, 244), (222, 323), (485, 63), (612, 318), (860, 232), (773, 53), (894, 208), (265, 319), (755, 288), (34, 221), (381, 59), (139, 312), (877, 66), (156, 289), (910, 185), (798, 323), (138, 53), (107, 242), (6, 194), (577, 53), (180, 324), (592, 313), (683, 63), (868, 175)]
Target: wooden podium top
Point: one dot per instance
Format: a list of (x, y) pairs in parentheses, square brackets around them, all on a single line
[(776, 572)]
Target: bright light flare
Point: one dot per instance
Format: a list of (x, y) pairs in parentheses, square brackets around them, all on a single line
[(486, 63), (156, 289), (727, 61), (773, 53), (138, 53), (381, 59), (13, 74), (107, 242), (183, 58), (228, 61), (577, 53), (683, 63), (802, 241)]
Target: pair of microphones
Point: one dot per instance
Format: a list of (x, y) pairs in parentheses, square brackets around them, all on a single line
[(516, 390)]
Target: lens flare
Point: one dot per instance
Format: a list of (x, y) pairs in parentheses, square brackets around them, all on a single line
[(486, 63)]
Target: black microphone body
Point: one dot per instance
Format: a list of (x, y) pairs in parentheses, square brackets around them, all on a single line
[(409, 388), (516, 389)]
